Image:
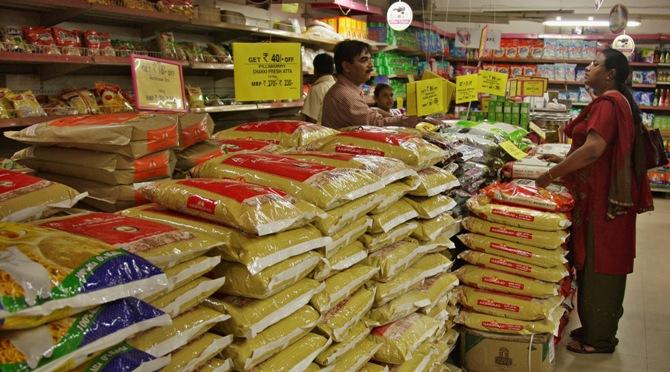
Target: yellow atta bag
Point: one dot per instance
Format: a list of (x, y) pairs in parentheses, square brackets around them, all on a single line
[(401, 339), (491, 323), (185, 272), (443, 346), (397, 308), (433, 181), (296, 357), (507, 306), (339, 218), (439, 245), (325, 186), (430, 230), (518, 216), (399, 285), (240, 282), (499, 281), (551, 274), (342, 285), (246, 354), (287, 133), (431, 265), (354, 359), (186, 296), (347, 236), (386, 221), (339, 320), (515, 251), (421, 360), (375, 242), (390, 195), (436, 287), (535, 238), (354, 336), (342, 260), (431, 206), (196, 353), (393, 259), (217, 365), (373, 367)]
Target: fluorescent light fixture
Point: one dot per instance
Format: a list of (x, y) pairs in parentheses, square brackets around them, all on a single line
[(558, 18), (590, 18), (589, 23)]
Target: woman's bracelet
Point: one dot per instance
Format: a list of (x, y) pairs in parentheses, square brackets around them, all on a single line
[(551, 177)]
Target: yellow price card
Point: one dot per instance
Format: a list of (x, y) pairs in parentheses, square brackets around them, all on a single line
[(534, 128), (267, 71), (466, 88), (429, 97), (158, 84), (513, 150), (534, 87), (492, 82), (399, 102)]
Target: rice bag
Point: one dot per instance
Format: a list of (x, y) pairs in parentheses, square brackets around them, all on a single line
[(393, 259), (373, 367), (439, 245), (411, 149), (37, 270), (430, 230), (347, 236), (256, 253), (491, 323), (344, 258), (194, 128), (112, 98), (505, 305), (187, 296), (129, 134), (375, 242), (185, 327), (287, 133), (517, 216), (160, 244), (498, 281), (390, 195), (524, 193), (338, 218), (342, 285), (443, 346), (103, 167), (434, 288), (355, 358), (387, 169), (420, 361), (197, 154), (354, 336), (247, 145), (432, 264), (384, 222), (249, 317), (246, 354), (535, 238), (339, 320), (240, 282), (432, 206), (524, 253), (400, 339), (217, 365), (196, 353), (184, 272), (25, 104), (433, 181), (325, 186), (123, 357), (399, 285), (296, 357), (66, 343), (548, 274), (397, 308)]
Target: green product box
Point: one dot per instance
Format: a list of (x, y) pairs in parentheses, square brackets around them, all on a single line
[(500, 108), (524, 116), (515, 113), (493, 106), (507, 116)]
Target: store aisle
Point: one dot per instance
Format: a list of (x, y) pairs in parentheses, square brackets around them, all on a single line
[(644, 330)]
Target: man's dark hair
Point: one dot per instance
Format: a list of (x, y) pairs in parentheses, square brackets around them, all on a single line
[(347, 51), (324, 64)]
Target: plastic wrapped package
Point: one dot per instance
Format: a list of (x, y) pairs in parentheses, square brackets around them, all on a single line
[(431, 207), (339, 320), (347, 236), (443, 347), (24, 197), (56, 256), (251, 208), (420, 361), (197, 154), (249, 317), (353, 338), (185, 327), (196, 99), (375, 242), (194, 128), (256, 253), (393, 259), (161, 244), (123, 357), (535, 256), (535, 238), (113, 99), (493, 280), (217, 365), (129, 134), (184, 272), (397, 308), (286, 133), (491, 323), (548, 274), (437, 287), (187, 296), (430, 230), (401, 284), (342, 285), (386, 221), (524, 193), (354, 359), (400, 339), (240, 282), (246, 354), (78, 336), (434, 181), (345, 258), (432, 264), (505, 305), (325, 186), (517, 216), (338, 218), (196, 353), (25, 104), (439, 245), (297, 356), (248, 145), (82, 100), (373, 367), (390, 195)]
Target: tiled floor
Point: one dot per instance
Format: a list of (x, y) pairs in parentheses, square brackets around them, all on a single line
[(644, 330)]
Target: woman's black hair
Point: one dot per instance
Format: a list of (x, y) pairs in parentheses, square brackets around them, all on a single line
[(619, 63), (381, 86)]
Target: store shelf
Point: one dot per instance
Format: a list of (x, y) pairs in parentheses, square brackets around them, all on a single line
[(644, 86), (348, 6), (666, 83), (566, 82), (666, 65), (250, 107), (280, 105), (211, 66), (659, 189), (522, 60), (580, 104), (26, 122), (655, 108), (642, 64)]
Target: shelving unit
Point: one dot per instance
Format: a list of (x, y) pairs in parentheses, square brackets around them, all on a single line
[(655, 108)]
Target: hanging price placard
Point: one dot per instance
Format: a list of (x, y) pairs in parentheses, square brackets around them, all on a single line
[(467, 87), (429, 97), (267, 71), (158, 84), (513, 150), (492, 82), (534, 87)]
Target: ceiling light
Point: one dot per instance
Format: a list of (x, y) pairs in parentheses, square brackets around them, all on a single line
[(590, 18), (589, 23), (558, 18)]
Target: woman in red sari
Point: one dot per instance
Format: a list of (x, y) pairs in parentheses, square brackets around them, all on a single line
[(609, 191)]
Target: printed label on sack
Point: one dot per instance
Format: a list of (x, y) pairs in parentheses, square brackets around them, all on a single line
[(502, 282), (324, 155), (505, 248), (503, 326), (193, 134), (14, 184), (277, 165), (332, 312), (514, 233), (279, 126), (395, 139), (93, 120), (238, 191), (162, 138), (511, 265), (202, 204), (348, 149), (211, 155), (516, 216), (396, 329), (152, 166), (498, 305), (515, 296), (235, 145)]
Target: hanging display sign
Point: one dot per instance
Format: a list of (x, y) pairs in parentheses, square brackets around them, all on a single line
[(490, 40), (399, 16), (158, 84), (267, 71), (527, 86), (467, 87), (618, 18), (598, 3), (625, 44), (492, 82), (468, 37), (429, 97)]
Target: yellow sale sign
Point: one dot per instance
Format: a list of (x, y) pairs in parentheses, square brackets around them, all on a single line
[(467, 87), (492, 82), (158, 84), (267, 71), (429, 97)]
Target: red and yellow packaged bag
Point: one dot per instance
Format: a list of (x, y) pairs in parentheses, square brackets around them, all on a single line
[(491, 323), (393, 259), (517, 216), (551, 274), (535, 238), (113, 99), (433, 181), (479, 277), (524, 193), (247, 145), (507, 305), (197, 154), (431, 207), (519, 252), (194, 128), (402, 338), (286, 133)]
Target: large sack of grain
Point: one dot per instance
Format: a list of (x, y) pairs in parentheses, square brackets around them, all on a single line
[(535, 238), (524, 193), (493, 280), (505, 305), (518, 216), (194, 128), (286, 133), (515, 251)]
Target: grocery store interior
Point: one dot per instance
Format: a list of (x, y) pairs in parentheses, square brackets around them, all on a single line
[(334, 185)]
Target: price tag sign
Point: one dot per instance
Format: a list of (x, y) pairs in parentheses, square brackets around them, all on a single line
[(534, 87), (399, 102), (533, 127), (429, 97), (514, 151), (466, 88), (158, 84), (267, 71), (410, 78), (492, 82)]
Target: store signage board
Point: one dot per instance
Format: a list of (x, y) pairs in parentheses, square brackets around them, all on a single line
[(540, 132), (267, 71), (429, 97), (492, 82), (513, 150), (468, 37), (534, 87), (467, 87), (399, 16), (490, 40), (625, 44), (158, 84)]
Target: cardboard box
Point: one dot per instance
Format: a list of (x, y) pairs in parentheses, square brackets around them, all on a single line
[(492, 352)]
